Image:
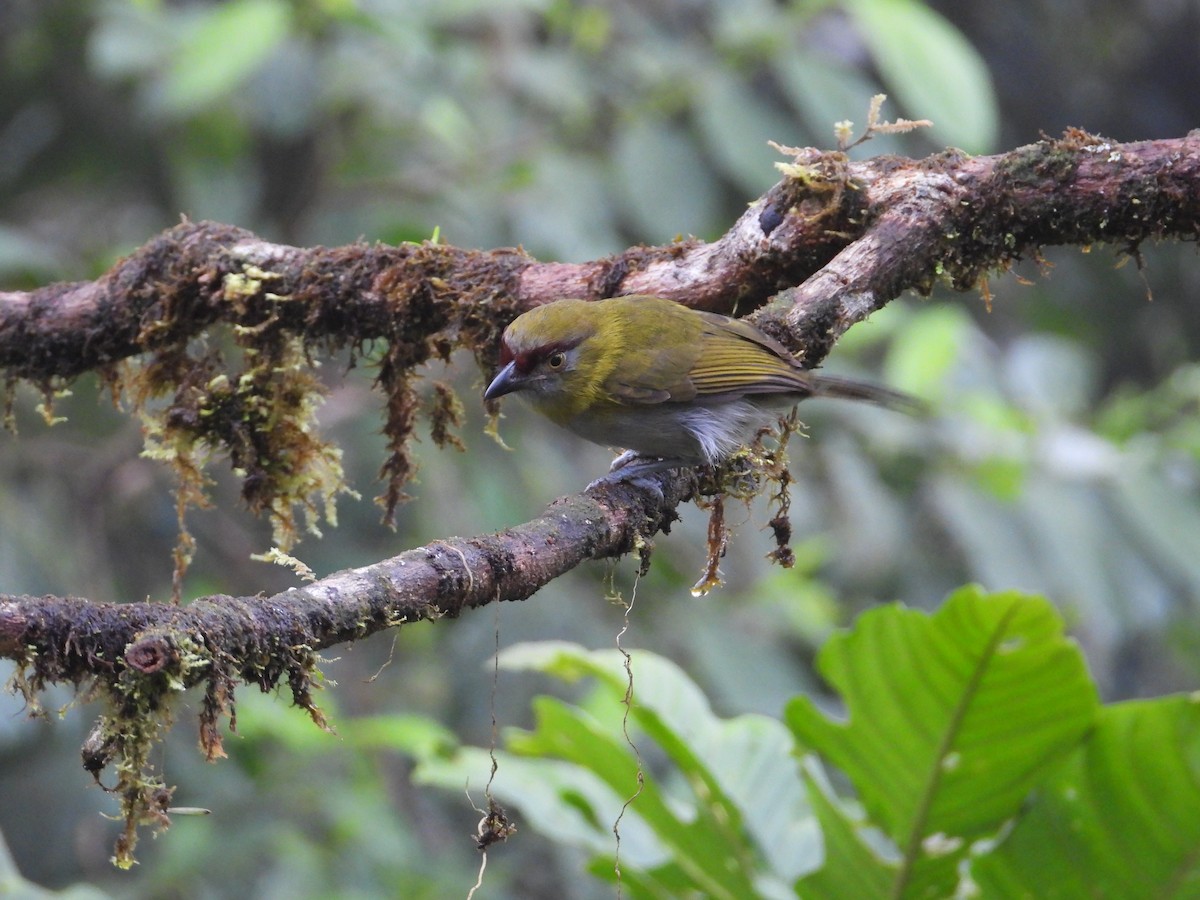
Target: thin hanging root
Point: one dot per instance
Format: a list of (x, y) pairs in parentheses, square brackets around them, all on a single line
[(781, 524), (718, 543), (627, 702), (493, 828)]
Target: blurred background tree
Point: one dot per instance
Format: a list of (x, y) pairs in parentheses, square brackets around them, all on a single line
[(1064, 458)]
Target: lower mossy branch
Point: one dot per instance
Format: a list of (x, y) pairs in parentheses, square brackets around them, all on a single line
[(138, 658)]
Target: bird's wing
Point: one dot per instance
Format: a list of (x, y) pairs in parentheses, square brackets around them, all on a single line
[(718, 358), (657, 376), (670, 343), (710, 358), (737, 359)]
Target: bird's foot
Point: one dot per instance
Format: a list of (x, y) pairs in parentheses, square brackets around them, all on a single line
[(635, 469), (627, 457)]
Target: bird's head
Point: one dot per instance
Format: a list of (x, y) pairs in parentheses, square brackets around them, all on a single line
[(559, 356)]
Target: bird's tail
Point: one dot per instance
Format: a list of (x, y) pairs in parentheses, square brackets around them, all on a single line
[(849, 389)]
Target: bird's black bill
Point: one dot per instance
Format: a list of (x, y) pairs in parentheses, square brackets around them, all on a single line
[(506, 381)]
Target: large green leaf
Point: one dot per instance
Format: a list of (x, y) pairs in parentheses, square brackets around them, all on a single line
[(229, 44), (953, 717), (703, 843), (736, 120), (740, 771), (1120, 820), (931, 69), (859, 870), (664, 182), (728, 819)]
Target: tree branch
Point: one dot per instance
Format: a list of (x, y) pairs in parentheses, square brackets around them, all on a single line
[(67, 639), (831, 243), (856, 234)]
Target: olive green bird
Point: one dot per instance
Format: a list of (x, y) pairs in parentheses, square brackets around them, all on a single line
[(673, 386)]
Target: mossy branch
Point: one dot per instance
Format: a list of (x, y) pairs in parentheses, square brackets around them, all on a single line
[(891, 224), (829, 244), (138, 658)]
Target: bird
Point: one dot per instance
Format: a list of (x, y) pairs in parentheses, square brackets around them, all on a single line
[(671, 385)]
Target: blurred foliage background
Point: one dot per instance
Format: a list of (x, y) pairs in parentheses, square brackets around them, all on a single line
[(1065, 456)]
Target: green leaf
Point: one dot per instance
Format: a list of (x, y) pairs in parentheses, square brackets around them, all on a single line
[(736, 122), (859, 871), (1120, 819), (926, 347), (953, 717), (412, 734), (665, 882), (931, 69), (564, 801), (232, 41), (664, 182), (742, 769), (570, 805), (700, 841), (585, 772)]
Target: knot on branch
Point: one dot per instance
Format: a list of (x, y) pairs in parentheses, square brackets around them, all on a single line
[(151, 654)]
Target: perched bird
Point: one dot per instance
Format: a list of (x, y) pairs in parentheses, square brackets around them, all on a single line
[(674, 386)]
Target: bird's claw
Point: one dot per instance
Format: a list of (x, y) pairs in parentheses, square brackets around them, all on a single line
[(638, 480), (624, 459), (634, 468)]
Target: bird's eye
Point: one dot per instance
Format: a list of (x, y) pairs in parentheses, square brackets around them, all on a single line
[(556, 359)]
